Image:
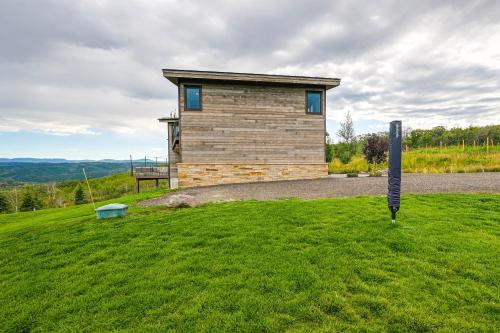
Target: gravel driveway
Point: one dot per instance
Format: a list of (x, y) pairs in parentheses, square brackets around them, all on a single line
[(340, 187)]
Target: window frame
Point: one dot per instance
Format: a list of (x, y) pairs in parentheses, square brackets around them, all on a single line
[(320, 113), (186, 99)]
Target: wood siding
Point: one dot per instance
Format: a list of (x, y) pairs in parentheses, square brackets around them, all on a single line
[(173, 156), (251, 123)]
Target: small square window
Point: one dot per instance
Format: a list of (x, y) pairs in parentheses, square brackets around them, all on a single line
[(313, 100), (192, 98)]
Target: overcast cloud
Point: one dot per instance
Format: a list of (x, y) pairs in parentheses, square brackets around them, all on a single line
[(86, 67)]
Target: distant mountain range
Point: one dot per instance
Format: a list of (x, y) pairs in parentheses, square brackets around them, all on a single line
[(63, 160), (47, 170)]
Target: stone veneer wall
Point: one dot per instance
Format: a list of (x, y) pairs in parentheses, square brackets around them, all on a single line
[(204, 174)]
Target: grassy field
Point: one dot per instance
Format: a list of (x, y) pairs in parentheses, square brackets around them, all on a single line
[(433, 160), (322, 265)]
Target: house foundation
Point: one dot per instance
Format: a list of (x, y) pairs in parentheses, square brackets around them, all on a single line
[(205, 174)]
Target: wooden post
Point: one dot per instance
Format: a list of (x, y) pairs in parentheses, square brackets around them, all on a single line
[(144, 160), (88, 185), (463, 145), (474, 143), (441, 146), (157, 183), (137, 186), (487, 144), (131, 166)]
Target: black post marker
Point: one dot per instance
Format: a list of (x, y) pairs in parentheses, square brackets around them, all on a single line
[(394, 173)]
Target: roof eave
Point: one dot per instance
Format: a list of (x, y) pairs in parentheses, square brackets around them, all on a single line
[(168, 120), (173, 75)]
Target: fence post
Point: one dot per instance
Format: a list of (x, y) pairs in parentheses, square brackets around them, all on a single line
[(131, 166)]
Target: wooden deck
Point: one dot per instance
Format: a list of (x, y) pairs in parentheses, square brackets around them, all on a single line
[(150, 173)]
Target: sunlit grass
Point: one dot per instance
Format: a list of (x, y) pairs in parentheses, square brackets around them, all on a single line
[(452, 160), (332, 265)]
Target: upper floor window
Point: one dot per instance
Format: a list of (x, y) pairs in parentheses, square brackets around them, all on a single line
[(313, 100), (192, 98)]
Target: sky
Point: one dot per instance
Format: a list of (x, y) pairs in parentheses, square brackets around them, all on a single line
[(83, 80)]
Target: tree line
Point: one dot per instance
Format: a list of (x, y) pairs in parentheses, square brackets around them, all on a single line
[(439, 135), (29, 197), (374, 146)]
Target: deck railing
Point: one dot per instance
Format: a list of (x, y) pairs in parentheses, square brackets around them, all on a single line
[(153, 172)]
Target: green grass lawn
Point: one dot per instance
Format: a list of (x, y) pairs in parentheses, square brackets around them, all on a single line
[(292, 265)]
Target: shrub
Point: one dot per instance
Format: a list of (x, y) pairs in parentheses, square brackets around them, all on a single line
[(345, 152), (376, 148), (329, 152)]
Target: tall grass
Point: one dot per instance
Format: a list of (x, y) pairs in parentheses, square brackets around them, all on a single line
[(454, 159)]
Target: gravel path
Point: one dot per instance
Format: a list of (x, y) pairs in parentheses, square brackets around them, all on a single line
[(340, 187)]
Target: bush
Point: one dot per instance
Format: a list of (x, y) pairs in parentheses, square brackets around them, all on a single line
[(376, 148), (329, 152), (345, 152)]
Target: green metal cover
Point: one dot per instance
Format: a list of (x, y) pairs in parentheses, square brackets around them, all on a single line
[(111, 210)]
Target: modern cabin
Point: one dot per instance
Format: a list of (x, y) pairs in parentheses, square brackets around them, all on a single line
[(238, 127)]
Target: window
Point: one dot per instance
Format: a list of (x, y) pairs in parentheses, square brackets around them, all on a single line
[(192, 98), (313, 100)]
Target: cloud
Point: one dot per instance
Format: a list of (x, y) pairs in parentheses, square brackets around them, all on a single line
[(91, 66)]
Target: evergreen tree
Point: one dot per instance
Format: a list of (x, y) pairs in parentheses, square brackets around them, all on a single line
[(4, 205), (79, 195), (30, 202)]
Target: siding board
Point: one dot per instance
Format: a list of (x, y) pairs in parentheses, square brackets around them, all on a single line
[(251, 123)]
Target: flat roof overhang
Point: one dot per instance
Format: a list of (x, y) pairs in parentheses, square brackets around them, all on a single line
[(174, 75)]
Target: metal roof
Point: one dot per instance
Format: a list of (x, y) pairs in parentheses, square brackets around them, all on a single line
[(174, 75)]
